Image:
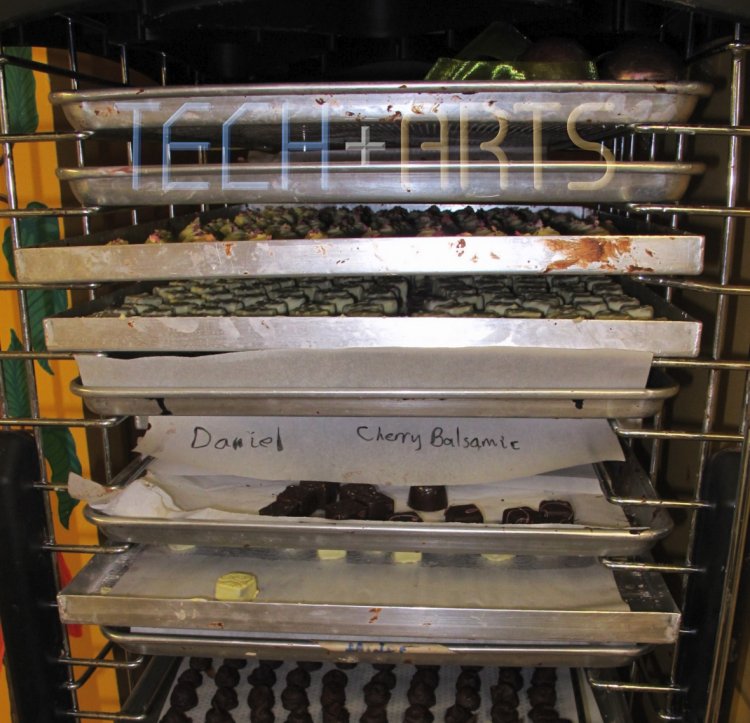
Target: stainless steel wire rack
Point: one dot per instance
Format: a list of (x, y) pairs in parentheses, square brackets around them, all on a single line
[(659, 683)]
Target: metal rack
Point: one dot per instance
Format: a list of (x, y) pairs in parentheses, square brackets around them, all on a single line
[(671, 692)]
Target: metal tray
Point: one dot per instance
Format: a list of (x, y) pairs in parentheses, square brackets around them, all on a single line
[(168, 642), (558, 403), (377, 104), (564, 182), (450, 600), (638, 248), (75, 330), (648, 525)]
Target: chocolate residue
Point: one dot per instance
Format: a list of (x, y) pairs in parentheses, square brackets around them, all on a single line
[(375, 614), (228, 248), (587, 250)]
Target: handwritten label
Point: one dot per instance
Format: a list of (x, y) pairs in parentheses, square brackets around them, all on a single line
[(381, 451)]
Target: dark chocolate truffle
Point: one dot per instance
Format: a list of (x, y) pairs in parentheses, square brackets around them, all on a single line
[(421, 694), (335, 677), (376, 694), (426, 676), (216, 715), (262, 715), (374, 715), (386, 678), (544, 676), (468, 698), (307, 499), (456, 714), (511, 676), (225, 699), (326, 492), (428, 498), (190, 676), (504, 694), (238, 663), (501, 713), (299, 716), (273, 664), (299, 677), (200, 664), (405, 517), (464, 513), (520, 516), (226, 677), (331, 694), (468, 678), (346, 509), (261, 696), (557, 511), (175, 716), (354, 491), (293, 698), (379, 506), (309, 665), (262, 675), (282, 508), (541, 695), (418, 714), (183, 697)]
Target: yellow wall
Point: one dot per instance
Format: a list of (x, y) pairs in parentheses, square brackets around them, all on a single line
[(35, 172)]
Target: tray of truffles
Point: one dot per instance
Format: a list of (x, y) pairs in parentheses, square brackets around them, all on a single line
[(566, 513), (560, 312), (258, 111), (368, 597), (564, 182), (218, 690), (366, 240), (215, 644)]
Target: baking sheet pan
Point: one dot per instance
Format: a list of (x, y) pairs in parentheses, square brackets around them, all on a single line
[(559, 403), (446, 599), (673, 334), (635, 535), (638, 248), (374, 103), (564, 182), (209, 644)]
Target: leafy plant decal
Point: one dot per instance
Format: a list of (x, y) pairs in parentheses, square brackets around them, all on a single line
[(57, 442)]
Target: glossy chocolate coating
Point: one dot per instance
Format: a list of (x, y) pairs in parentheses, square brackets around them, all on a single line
[(183, 697), (376, 694), (225, 699), (282, 508), (355, 491), (175, 716), (556, 511), (226, 677), (428, 498), (541, 695), (421, 694), (200, 664), (428, 677), (405, 517), (335, 677), (326, 492), (468, 678), (262, 675), (464, 513), (293, 698), (307, 499), (346, 509), (299, 677), (216, 715), (418, 714), (379, 506), (386, 678), (468, 698), (261, 696), (520, 516), (190, 676)]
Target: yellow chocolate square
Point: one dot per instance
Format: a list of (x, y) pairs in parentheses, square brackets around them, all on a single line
[(237, 586)]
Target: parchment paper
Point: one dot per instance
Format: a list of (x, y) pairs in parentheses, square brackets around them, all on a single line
[(163, 496), (381, 368), (445, 693), (382, 451)]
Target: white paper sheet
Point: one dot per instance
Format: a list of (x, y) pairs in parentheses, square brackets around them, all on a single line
[(382, 451), (473, 368)]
